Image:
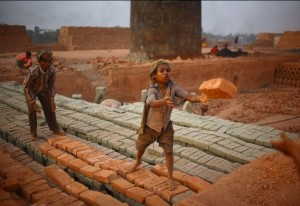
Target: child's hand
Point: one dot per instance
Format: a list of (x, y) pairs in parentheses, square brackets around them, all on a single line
[(203, 98), (167, 101)]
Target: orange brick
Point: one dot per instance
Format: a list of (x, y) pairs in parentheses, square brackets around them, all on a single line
[(180, 176), (17, 171), (76, 164), (151, 182), (124, 168), (40, 195), (85, 157), (190, 200), (121, 185), (69, 199), (52, 199), (58, 175), (28, 179), (67, 144), (45, 147), (111, 164), (58, 144), (89, 171), (91, 197), (75, 188), (85, 152), (168, 194), (72, 145), (138, 194), (160, 170), (141, 180), (80, 148), (109, 200), (102, 161), (105, 175), (34, 187), (10, 184), (64, 159), (54, 153), (196, 183), (76, 203), (93, 159), (157, 189), (136, 174), (54, 139), (156, 200)]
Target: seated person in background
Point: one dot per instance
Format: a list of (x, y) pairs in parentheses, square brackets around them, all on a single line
[(214, 50), (225, 52), (24, 61)]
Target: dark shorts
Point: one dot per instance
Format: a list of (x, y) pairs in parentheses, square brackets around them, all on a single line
[(165, 138)]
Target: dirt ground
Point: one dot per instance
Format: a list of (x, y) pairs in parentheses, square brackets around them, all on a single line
[(270, 180)]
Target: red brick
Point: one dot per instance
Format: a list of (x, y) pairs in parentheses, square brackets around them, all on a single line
[(64, 159), (57, 138), (168, 194), (76, 164), (157, 189), (180, 176), (191, 200), (93, 159), (80, 148), (28, 179), (156, 200), (19, 171), (196, 183), (54, 153), (65, 200), (52, 199), (136, 174), (73, 142), (10, 184), (111, 164), (58, 175), (110, 201), (76, 203), (89, 171), (40, 195), (141, 180), (151, 182), (58, 144), (124, 168), (160, 170), (85, 157), (35, 187), (69, 147), (91, 197), (105, 175), (45, 147), (75, 188), (85, 152), (102, 161), (138, 194), (121, 185)]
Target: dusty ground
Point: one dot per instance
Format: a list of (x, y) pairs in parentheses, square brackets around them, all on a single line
[(271, 180)]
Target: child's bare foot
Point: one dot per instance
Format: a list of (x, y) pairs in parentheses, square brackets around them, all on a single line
[(172, 185), (134, 167)]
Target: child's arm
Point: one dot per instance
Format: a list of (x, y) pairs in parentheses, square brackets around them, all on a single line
[(195, 98), (160, 102)]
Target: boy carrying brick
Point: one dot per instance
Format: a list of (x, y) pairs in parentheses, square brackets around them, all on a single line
[(156, 124)]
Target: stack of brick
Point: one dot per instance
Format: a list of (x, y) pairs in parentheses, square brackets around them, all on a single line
[(289, 40), (89, 38), (16, 177), (288, 74), (141, 186), (13, 38)]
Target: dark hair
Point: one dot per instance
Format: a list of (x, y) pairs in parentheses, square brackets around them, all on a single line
[(28, 53)]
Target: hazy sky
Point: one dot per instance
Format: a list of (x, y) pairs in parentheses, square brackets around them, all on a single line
[(218, 17)]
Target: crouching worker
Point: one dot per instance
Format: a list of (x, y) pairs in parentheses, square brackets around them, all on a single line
[(39, 83), (24, 61), (156, 124)]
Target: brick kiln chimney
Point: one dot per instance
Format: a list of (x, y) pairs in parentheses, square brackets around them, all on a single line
[(166, 29)]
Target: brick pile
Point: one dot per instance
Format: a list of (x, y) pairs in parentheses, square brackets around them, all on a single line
[(288, 74), (13, 38), (289, 40), (92, 38)]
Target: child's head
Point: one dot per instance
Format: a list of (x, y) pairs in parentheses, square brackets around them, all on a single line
[(28, 54), (154, 67)]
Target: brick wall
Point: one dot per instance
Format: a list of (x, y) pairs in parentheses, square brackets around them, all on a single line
[(289, 40), (90, 38)]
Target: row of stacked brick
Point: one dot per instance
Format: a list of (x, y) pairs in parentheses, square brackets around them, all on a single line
[(288, 74), (143, 186)]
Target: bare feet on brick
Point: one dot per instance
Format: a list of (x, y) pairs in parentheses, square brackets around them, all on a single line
[(35, 138), (172, 185), (58, 132), (134, 167)]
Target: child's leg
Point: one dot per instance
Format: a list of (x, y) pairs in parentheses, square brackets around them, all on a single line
[(139, 154), (170, 161)]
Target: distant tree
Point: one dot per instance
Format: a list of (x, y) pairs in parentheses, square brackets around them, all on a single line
[(42, 36)]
